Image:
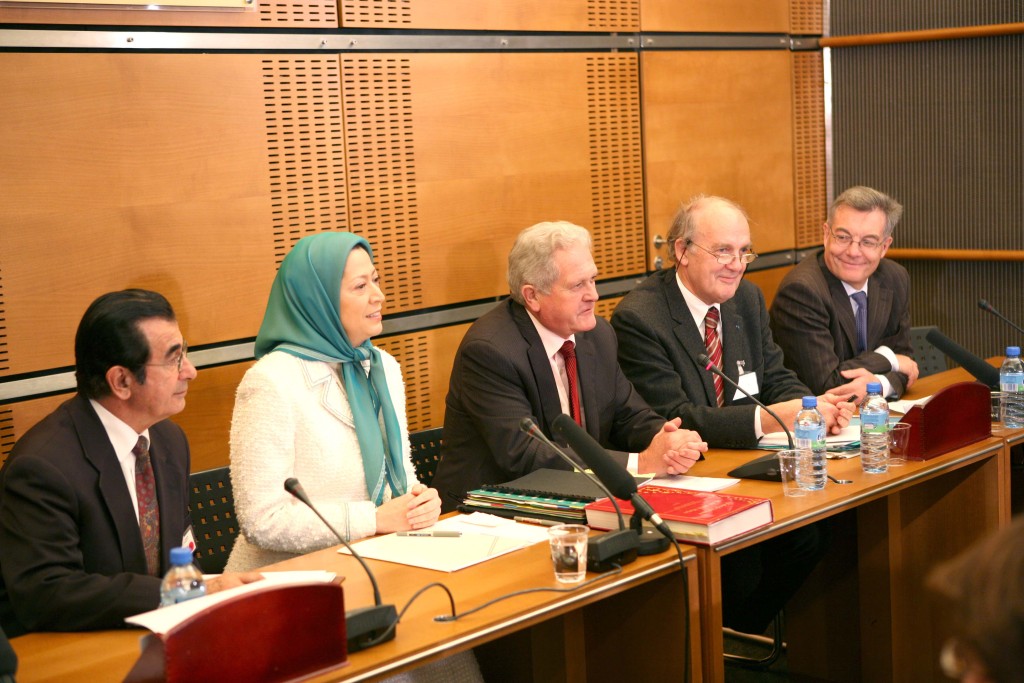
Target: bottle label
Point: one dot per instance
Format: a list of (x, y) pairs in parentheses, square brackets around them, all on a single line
[(874, 424)]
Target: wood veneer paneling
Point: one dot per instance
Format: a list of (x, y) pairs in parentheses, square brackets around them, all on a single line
[(268, 14), (721, 123), (722, 16), (509, 15), (450, 156), (809, 147), (145, 170)]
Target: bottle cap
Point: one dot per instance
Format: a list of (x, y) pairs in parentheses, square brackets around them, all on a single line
[(810, 401), (181, 555), (1012, 350), (874, 387)]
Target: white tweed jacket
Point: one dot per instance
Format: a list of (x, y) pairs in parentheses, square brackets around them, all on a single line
[(292, 419)]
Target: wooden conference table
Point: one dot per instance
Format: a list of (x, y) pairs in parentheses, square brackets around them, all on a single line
[(865, 614), (623, 627)]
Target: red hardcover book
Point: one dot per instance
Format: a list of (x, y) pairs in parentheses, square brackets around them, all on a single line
[(699, 517)]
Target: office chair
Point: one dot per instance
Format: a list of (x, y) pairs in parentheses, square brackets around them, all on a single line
[(929, 359), (426, 453), (212, 508)]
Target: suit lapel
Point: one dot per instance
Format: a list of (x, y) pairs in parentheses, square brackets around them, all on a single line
[(734, 347), (686, 332), (323, 381), (879, 310), (540, 366), (841, 304), (586, 361), (113, 489)]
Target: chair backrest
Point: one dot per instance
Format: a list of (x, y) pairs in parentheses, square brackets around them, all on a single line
[(929, 359), (213, 517), (426, 453)]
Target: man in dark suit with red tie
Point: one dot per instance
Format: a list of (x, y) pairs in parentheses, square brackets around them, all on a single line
[(703, 306), (842, 317), (541, 354), (95, 495)]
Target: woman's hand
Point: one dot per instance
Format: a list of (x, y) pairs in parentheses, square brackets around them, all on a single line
[(415, 510)]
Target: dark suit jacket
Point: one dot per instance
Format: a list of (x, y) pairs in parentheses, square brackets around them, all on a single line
[(501, 375), (812, 319), (72, 553), (658, 349)]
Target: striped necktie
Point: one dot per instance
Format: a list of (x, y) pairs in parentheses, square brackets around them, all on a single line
[(714, 346), (568, 352), (861, 318)]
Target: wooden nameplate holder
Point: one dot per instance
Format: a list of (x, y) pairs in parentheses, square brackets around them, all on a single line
[(955, 416), (283, 633)]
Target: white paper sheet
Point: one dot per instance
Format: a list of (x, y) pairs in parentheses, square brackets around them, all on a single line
[(164, 619)]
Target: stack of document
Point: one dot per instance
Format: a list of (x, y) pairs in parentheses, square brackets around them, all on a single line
[(846, 440)]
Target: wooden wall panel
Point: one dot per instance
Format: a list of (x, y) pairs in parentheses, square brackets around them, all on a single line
[(719, 16), (768, 280), (17, 418), (145, 170), (207, 415), (318, 14), (721, 123), (454, 154), (493, 15), (426, 358)]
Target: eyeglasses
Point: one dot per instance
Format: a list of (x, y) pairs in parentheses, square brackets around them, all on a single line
[(867, 244), (725, 257), (179, 361)]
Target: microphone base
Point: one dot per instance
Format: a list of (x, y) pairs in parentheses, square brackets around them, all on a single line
[(615, 548), (651, 541), (765, 468), (364, 625)]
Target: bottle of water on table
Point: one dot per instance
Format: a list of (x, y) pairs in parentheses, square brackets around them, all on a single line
[(183, 580), (1011, 384), (809, 431), (874, 430)]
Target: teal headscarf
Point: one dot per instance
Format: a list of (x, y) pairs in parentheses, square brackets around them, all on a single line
[(303, 318)]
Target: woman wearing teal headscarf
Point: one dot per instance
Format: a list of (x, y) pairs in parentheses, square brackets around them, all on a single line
[(324, 405)]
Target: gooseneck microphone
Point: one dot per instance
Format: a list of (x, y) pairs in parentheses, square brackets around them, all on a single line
[(708, 365), (982, 371), (987, 307), (766, 467), (604, 552), (615, 477), (365, 626)]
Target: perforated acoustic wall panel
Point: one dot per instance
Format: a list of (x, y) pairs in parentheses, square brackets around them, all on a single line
[(808, 148), (426, 359), (305, 148), (268, 14), (378, 106), (806, 17), (511, 15), (616, 164)]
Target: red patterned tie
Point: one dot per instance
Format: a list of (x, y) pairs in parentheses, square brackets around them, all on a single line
[(568, 352), (714, 346), (149, 510)]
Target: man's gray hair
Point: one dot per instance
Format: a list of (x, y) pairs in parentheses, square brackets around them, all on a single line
[(860, 198), (684, 225), (531, 261)]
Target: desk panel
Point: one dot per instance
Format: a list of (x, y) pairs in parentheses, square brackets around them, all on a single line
[(564, 636)]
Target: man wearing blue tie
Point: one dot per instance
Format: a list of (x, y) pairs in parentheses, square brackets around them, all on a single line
[(842, 316)]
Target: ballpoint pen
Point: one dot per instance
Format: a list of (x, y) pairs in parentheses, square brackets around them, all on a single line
[(431, 534), (534, 520)]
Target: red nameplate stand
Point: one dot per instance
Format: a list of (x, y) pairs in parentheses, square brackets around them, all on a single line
[(283, 633), (955, 416)]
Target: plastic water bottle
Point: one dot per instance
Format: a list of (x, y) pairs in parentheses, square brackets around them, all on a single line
[(810, 442), (1011, 384), (874, 430), (183, 580)]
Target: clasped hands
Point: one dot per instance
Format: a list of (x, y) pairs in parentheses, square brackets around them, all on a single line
[(673, 450)]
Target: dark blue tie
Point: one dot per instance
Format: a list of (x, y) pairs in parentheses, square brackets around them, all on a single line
[(861, 315)]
